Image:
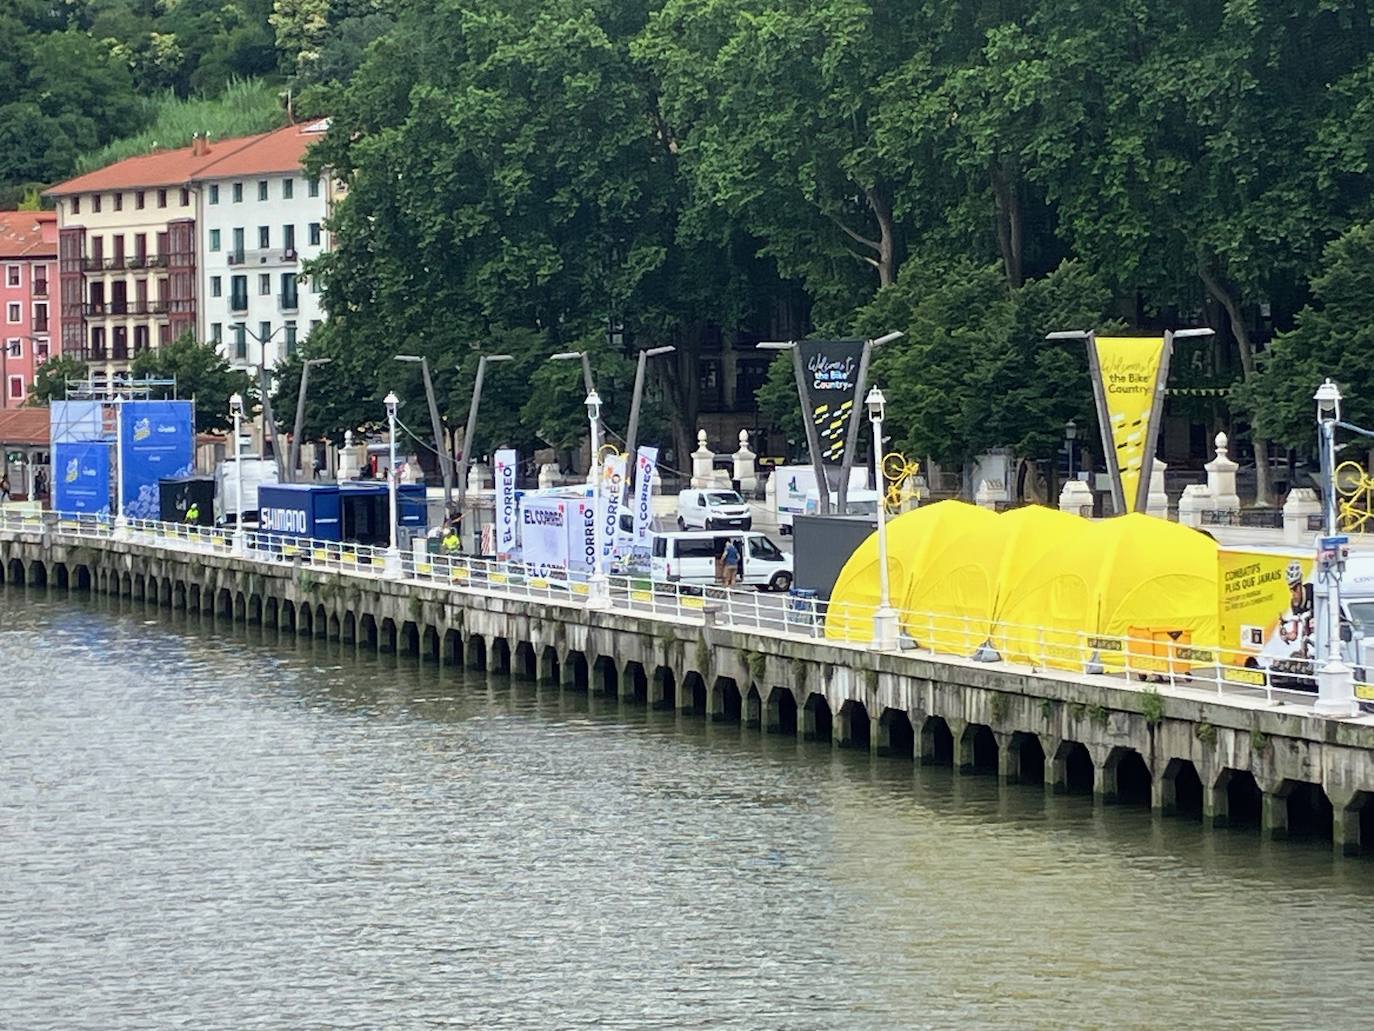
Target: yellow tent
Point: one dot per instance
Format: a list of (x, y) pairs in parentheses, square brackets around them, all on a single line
[(1046, 597), (910, 539)]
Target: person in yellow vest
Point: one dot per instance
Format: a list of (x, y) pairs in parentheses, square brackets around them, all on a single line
[(451, 542), (193, 513)]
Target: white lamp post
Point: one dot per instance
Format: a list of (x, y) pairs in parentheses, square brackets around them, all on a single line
[(1335, 680), (885, 621), (121, 523), (599, 587), (236, 410), (393, 553)]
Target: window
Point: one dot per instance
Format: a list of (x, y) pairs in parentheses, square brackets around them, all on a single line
[(314, 188), (14, 347), (240, 341), (264, 334), (16, 388), (119, 201), (161, 198), (762, 547), (216, 286), (290, 338), (12, 313), (214, 239), (238, 244), (40, 350), (289, 300), (40, 318), (12, 275), (185, 197), (95, 202), (314, 236), (217, 332), (264, 284), (238, 193), (141, 247), (238, 293), (288, 239), (314, 325), (214, 193), (264, 237), (76, 205), (139, 199), (288, 189), (262, 189)]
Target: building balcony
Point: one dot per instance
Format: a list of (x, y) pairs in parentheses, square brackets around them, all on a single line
[(289, 302), (238, 302), (264, 256), (40, 288), (40, 325)]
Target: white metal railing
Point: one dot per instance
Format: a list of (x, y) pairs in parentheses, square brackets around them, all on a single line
[(1159, 658)]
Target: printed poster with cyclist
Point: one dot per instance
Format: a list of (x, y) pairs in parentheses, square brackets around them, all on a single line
[(1265, 612), (832, 382), (1129, 379)]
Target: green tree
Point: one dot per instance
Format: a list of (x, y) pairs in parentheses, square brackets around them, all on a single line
[(50, 379), (201, 375)]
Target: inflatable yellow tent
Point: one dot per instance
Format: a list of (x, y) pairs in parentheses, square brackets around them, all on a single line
[(910, 539)]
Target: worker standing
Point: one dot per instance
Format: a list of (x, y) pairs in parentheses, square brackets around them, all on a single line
[(193, 513)]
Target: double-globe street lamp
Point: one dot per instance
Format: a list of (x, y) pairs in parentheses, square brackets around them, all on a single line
[(299, 426), (1335, 679), (445, 456), (465, 455)]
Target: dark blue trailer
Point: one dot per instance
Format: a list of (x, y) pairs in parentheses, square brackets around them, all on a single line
[(300, 510), (365, 511)]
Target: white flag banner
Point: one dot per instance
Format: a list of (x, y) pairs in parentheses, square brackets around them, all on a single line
[(581, 535), (507, 464), (544, 533), (646, 460), (608, 514)]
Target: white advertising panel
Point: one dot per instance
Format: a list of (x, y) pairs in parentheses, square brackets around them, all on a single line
[(645, 462), (506, 464), (612, 489), (544, 533), (582, 535)]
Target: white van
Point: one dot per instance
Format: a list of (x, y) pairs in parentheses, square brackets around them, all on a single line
[(690, 558), (794, 488), (712, 509), (256, 471)]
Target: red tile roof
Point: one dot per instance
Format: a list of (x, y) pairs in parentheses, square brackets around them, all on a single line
[(21, 234), (280, 150), (24, 426)]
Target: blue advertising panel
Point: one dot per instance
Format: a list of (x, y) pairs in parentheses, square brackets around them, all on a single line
[(81, 478), (158, 440)]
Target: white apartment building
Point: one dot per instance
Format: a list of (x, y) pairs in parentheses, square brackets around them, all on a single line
[(261, 218)]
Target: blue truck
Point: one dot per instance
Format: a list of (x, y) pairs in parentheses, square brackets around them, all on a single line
[(348, 512)]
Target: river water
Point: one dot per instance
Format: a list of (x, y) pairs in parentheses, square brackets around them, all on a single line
[(207, 826)]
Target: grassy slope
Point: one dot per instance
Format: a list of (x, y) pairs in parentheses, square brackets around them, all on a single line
[(243, 108)]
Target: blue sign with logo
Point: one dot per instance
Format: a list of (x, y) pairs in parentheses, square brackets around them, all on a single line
[(81, 478), (158, 440)]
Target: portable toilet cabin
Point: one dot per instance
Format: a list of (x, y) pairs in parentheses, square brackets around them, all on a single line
[(309, 510), (176, 495)]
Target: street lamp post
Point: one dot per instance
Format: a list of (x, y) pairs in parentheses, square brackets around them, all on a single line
[(299, 427), (1335, 679), (445, 456), (599, 587), (1070, 436), (589, 385), (885, 620), (121, 522), (269, 423), (466, 454), (236, 410), (393, 553), (632, 432)]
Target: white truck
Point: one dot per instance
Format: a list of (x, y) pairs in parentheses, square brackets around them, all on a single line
[(794, 484), (256, 471)]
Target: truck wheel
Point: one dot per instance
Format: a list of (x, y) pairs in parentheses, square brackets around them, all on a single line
[(780, 582), (785, 531), (681, 523)]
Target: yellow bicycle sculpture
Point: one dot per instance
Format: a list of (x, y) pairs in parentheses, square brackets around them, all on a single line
[(899, 473), (1355, 489)]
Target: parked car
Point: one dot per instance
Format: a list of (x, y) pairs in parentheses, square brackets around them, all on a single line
[(712, 509), (691, 557)]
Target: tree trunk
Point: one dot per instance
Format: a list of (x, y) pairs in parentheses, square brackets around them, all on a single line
[(881, 206), (1008, 223), (683, 394), (1228, 298)]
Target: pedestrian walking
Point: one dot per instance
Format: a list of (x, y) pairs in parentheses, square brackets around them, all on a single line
[(4, 488), (730, 564)]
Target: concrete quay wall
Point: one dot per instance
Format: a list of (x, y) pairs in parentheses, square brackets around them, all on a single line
[(1177, 750)]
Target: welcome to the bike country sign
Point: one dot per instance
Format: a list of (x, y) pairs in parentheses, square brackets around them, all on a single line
[(832, 381)]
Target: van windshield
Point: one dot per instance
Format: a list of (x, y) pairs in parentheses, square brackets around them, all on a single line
[(723, 497), (1362, 615)]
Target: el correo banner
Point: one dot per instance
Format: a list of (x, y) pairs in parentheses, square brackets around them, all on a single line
[(507, 463), (1128, 370), (582, 535), (612, 488), (831, 368), (544, 533), (646, 459)]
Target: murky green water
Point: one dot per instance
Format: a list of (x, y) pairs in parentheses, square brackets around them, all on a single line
[(204, 826)]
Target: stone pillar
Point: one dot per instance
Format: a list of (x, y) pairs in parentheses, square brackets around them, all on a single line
[(1164, 795), (703, 460), (479, 476), (548, 475), (1056, 768), (658, 689), (753, 710), (842, 728), (806, 723), (1274, 820), (1301, 503), (716, 699), (879, 736), (1157, 504), (1076, 498), (1216, 806), (351, 458), (1197, 498), (1008, 759), (987, 496), (772, 715), (745, 473), (1345, 821), (1104, 774), (963, 746), (1221, 478)]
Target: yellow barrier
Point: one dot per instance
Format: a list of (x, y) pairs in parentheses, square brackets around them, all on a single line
[(641, 596)]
